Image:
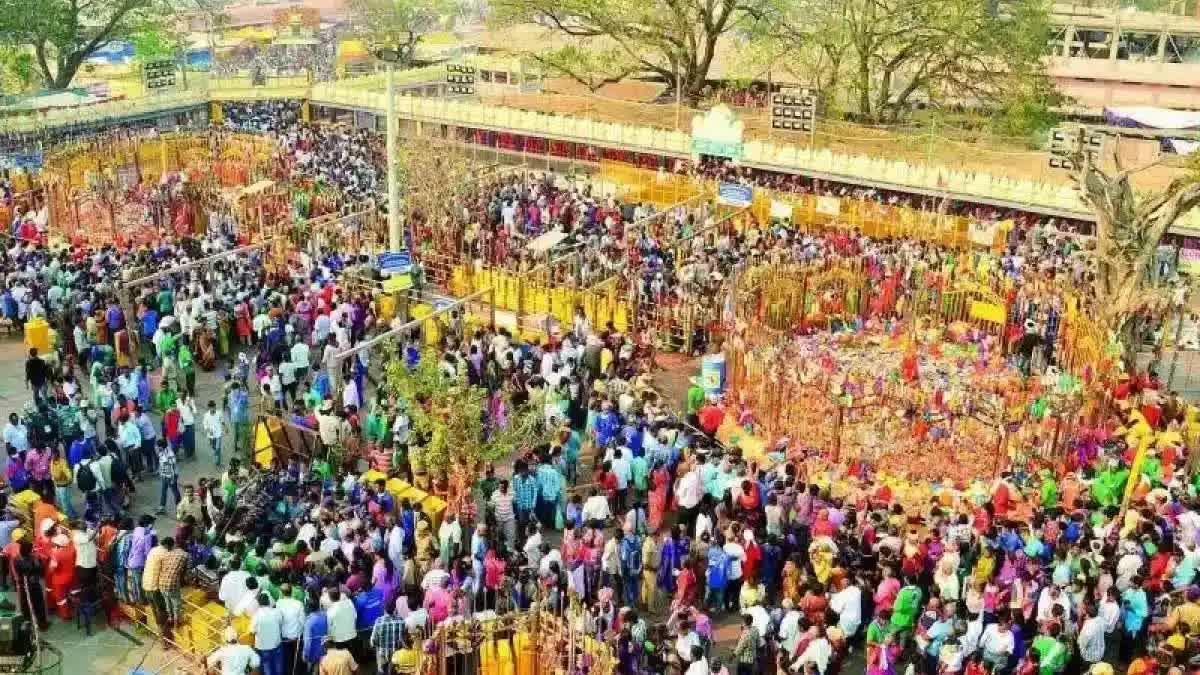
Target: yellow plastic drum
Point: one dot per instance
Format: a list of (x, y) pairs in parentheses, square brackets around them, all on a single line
[(37, 335), (387, 307)]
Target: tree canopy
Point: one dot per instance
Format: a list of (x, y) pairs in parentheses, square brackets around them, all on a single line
[(675, 40), (399, 23), (64, 33), (883, 57)]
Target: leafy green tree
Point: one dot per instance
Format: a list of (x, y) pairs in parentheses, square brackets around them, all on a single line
[(17, 72), (64, 33), (156, 43), (675, 40), (399, 23), (884, 56)]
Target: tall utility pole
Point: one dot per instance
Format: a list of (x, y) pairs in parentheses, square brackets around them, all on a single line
[(395, 232), (392, 55)]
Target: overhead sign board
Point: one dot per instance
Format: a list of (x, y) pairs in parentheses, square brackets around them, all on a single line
[(395, 262), (735, 194)]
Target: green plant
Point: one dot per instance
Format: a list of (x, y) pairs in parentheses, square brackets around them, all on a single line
[(448, 418)]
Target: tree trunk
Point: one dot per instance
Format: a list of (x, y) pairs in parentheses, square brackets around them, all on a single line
[(864, 89), (1127, 335), (67, 68)]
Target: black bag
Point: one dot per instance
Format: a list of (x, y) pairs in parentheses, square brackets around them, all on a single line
[(85, 479)]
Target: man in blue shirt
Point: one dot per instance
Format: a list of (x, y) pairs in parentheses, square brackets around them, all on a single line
[(149, 323), (79, 449), (369, 607), (149, 436), (525, 492), (316, 627), (239, 414), (550, 493), (631, 567)]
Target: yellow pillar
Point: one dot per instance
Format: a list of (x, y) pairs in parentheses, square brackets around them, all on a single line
[(306, 111)]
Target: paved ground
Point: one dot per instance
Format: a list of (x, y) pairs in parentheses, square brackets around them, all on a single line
[(110, 651)]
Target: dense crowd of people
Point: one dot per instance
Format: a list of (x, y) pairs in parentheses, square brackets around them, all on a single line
[(631, 520), (348, 159)]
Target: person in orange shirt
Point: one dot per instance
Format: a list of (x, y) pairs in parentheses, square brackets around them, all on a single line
[(60, 574), (44, 510)]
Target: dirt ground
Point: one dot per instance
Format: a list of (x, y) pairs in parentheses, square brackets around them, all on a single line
[(633, 102)]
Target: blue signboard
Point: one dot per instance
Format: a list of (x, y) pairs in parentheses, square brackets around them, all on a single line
[(735, 194), (21, 160), (395, 262)]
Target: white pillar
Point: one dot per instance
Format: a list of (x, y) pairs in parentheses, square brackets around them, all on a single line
[(395, 232)]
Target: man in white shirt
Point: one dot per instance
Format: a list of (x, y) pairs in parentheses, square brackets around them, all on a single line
[(970, 639), (623, 471), (249, 604), (341, 616), (267, 626), (789, 627), (847, 604), (688, 490), (699, 665), (997, 643), (233, 658), (687, 641), (214, 430), (736, 554), (233, 587), (1050, 596), (818, 653), (533, 545), (1091, 639), (291, 613), (595, 509), (16, 433), (300, 356), (1110, 612), (85, 554)]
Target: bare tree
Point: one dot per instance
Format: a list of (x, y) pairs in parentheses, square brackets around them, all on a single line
[(1129, 228)]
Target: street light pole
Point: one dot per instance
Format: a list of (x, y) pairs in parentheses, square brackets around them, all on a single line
[(395, 232)]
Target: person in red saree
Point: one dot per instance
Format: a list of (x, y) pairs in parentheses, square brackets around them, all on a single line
[(241, 314), (60, 574), (660, 478), (751, 565), (685, 589), (1002, 496)]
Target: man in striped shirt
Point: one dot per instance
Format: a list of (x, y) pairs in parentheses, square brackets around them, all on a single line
[(506, 518), (387, 637)]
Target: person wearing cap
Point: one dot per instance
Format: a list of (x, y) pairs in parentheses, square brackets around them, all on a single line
[(233, 658)]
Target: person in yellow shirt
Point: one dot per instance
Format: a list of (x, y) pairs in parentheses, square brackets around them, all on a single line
[(1184, 619), (150, 581), (60, 473)]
